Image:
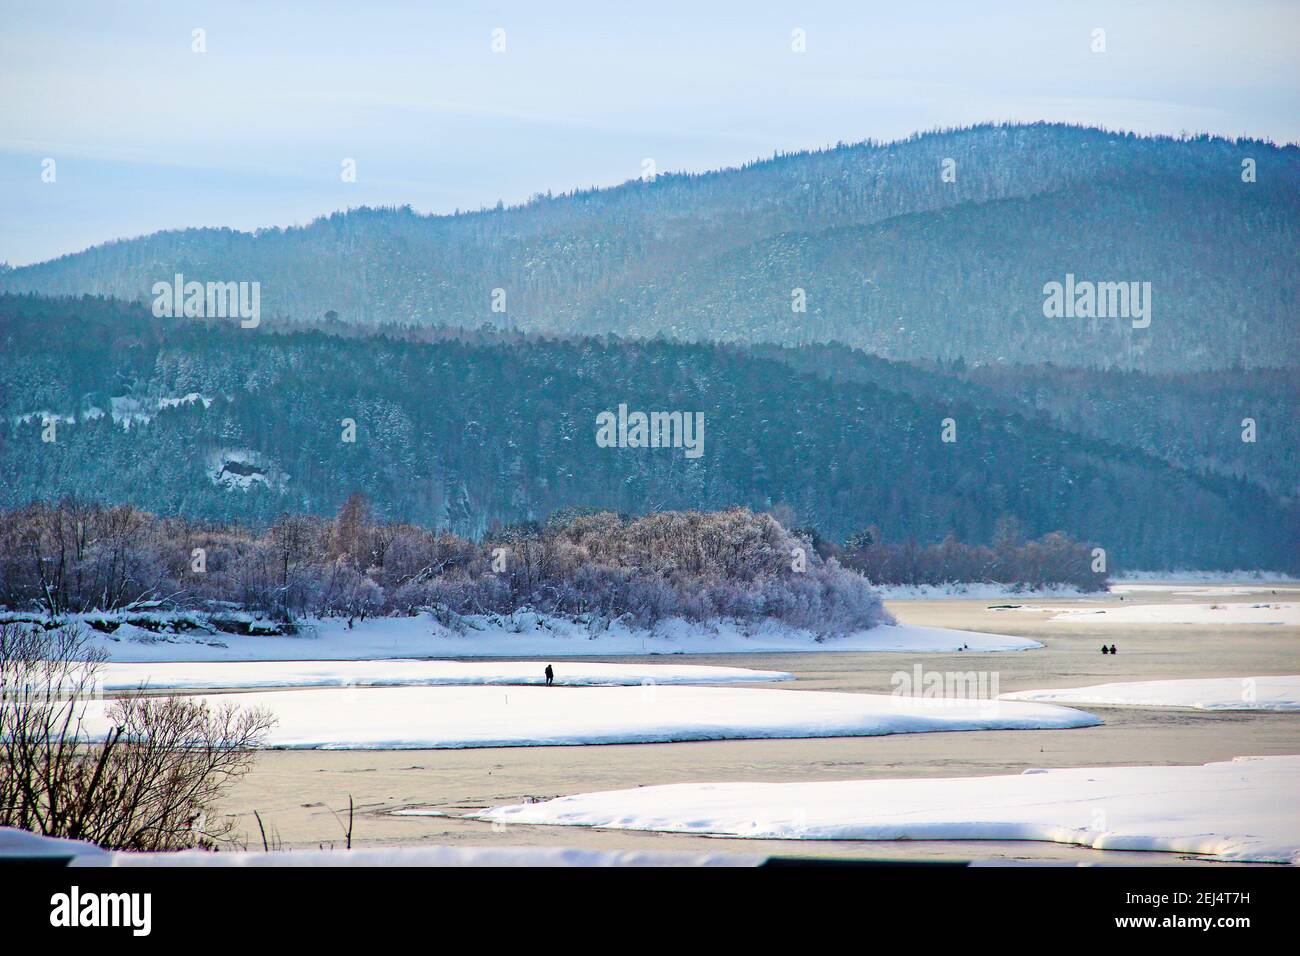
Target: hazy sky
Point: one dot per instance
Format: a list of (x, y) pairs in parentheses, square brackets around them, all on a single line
[(147, 134)]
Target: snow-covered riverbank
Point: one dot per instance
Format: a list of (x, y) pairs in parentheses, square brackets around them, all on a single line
[(523, 635)]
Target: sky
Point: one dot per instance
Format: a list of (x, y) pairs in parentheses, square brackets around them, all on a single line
[(145, 133)]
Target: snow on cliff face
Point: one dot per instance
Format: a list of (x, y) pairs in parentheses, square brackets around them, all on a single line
[(239, 469), (42, 416), (128, 411)]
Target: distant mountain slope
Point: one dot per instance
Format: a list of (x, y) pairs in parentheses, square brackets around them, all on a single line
[(892, 258), (221, 422), (966, 282), (1189, 419)]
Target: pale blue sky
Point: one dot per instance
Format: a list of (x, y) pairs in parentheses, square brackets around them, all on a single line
[(148, 135)]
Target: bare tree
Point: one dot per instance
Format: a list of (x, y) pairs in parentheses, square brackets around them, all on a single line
[(151, 782)]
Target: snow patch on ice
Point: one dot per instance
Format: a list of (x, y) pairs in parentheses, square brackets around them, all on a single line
[(1213, 693), (410, 673), (1283, 613), (1242, 810), (420, 718)]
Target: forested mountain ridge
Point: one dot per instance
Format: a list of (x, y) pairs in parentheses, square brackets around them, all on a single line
[(1181, 417), (966, 283), (214, 421), (890, 256), (1193, 420)]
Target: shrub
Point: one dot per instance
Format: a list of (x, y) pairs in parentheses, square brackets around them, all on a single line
[(152, 784)]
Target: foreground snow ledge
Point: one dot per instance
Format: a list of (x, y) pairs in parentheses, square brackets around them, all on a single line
[(18, 845), (417, 718), (458, 856), (1211, 693), (1241, 810)]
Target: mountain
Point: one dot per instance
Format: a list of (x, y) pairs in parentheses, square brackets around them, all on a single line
[(1193, 420), (890, 257), (209, 420)]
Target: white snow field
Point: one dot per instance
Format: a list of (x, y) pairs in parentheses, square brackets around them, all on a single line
[(1285, 613), (1240, 810), (528, 635), (414, 718), (213, 675), (1207, 693)]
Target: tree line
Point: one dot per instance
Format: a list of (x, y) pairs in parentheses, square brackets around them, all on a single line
[(1053, 560), (85, 559)]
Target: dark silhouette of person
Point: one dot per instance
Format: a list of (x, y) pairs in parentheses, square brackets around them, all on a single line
[(1112, 649), (1105, 649), (550, 675)]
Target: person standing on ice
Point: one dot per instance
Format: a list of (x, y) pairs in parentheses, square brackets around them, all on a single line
[(1113, 650), (1105, 649), (550, 675)]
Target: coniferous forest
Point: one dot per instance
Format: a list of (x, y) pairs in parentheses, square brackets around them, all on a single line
[(471, 431)]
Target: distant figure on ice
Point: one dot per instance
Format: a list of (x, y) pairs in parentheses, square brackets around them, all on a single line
[(1112, 649), (550, 675), (1105, 649)]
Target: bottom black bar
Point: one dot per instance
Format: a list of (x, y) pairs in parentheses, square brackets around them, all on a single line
[(788, 898)]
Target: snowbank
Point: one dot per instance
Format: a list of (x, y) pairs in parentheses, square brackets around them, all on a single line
[(1243, 810), (415, 718), (22, 845), (527, 635), (210, 675), (1215, 693)]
